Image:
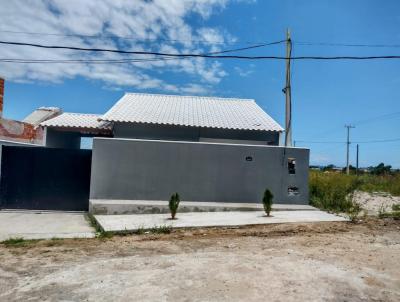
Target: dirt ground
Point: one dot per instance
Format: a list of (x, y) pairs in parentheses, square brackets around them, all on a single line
[(288, 262)]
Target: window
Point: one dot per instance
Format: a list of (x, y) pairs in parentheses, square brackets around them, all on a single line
[(292, 165), (293, 191)]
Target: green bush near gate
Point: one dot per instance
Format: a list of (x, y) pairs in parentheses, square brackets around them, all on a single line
[(174, 204), (268, 201)]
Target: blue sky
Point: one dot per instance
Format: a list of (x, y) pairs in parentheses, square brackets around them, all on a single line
[(326, 94)]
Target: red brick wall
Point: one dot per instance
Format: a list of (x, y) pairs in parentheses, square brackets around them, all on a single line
[(20, 131), (1, 95)]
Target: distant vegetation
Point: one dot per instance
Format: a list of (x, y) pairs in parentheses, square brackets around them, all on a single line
[(333, 190)]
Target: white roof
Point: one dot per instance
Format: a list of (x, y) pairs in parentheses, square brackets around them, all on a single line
[(41, 114), (210, 112), (76, 120)]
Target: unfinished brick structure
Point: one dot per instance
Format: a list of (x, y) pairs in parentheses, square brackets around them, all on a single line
[(19, 131)]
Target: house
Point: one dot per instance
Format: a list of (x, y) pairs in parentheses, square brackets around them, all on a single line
[(148, 146)]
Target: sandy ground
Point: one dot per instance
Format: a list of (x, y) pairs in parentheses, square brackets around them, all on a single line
[(331, 261), (375, 202)]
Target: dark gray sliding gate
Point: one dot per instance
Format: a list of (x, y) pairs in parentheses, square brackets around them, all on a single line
[(45, 178)]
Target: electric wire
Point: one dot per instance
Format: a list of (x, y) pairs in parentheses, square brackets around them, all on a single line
[(194, 55)]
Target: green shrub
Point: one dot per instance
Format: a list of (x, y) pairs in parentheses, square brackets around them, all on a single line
[(174, 204), (267, 201), (354, 211), (396, 207), (332, 191), (380, 183)]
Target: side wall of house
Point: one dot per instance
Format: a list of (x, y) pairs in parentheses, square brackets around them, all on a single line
[(170, 132), (128, 169), (62, 139)]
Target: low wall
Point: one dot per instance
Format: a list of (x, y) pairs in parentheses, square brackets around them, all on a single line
[(132, 169)]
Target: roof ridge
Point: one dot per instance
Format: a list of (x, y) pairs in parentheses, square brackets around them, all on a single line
[(191, 96), (78, 113)]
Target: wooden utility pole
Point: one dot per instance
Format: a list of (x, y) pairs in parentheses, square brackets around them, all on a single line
[(357, 160), (348, 147), (288, 93)]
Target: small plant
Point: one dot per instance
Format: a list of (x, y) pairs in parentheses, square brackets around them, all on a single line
[(267, 201), (141, 230), (354, 212), (174, 204), (161, 229)]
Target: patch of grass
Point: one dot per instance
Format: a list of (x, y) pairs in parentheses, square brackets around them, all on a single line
[(54, 241), (140, 231), (332, 191), (161, 229), (17, 242), (395, 214), (104, 235), (93, 223), (396, 207), (100, 233), (380, 183)]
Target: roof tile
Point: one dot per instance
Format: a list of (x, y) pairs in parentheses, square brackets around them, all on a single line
[(77, 120), (210, 112)]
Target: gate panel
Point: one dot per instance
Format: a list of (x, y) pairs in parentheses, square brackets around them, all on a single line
[(45, 178)]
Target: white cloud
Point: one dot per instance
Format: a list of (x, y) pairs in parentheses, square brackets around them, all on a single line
[(244, 72), (156, 25)]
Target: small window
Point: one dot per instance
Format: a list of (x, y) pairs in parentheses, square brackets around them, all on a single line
[(249, 158), (292, 165), (293, 191)]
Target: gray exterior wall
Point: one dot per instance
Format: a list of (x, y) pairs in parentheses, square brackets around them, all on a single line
[(170, 132), (131, 169), (62, 139)]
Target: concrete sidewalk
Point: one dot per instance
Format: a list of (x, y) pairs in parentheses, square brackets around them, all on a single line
[(44, 225), (122, 223)]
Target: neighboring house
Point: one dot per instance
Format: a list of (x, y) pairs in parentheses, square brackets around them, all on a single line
[(26, 131), (148, 146)]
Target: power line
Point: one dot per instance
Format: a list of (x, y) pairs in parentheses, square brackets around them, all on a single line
[(377, 118), (320, 142), (379, 141), (347, 45), (107, 61), (193, 55), (361, 122), (136, 38), (122, 61), (343, 142)]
